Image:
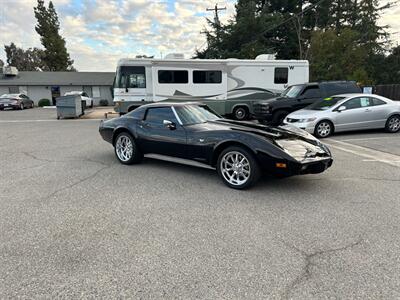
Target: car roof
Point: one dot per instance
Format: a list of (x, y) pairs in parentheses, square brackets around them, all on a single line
[(326, 82), (352, 95), (167, 104), (10, 95)]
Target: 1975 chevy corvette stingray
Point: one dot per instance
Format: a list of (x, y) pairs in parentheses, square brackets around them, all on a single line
[(240, 151)]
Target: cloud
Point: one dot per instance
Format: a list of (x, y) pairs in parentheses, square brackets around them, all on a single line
[(99, 32)]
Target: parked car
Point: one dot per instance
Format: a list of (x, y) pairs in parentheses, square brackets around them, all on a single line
[(85, 97), (347, 112), (239, 150), (15, 101), (296, 97)]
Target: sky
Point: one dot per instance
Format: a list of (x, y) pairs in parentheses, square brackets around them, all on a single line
[(99, 32)]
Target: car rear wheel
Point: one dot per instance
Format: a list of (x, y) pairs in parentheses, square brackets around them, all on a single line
[(240, 113), (393, 124), (126, 149), (323, 129), (238, 168)]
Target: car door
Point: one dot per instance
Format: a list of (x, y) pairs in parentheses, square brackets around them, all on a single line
[(159, 138), (379, 110), (357, 114), (308, 96)]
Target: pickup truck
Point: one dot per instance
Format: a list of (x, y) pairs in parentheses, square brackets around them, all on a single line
[(273, 111)]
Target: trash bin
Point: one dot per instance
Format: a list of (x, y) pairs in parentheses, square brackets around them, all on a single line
[(69, 106)]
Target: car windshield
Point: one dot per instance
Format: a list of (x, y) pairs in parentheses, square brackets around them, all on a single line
[(325, 104), (195, 114), (292, 91)]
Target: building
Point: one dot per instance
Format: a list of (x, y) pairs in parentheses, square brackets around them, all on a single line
[(50, 85)]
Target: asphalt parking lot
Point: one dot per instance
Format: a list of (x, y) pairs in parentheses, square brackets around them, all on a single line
[(74, 223)]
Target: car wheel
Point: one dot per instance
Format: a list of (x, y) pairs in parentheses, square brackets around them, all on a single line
[(240, 113), (238, 168), (126, 149), (393, 124), (323, 129), (278, 117)]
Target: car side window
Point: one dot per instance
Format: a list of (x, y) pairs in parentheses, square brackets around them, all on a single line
[(311, 92), (157, 115), (376, 102), (353, 103), (85, 95)]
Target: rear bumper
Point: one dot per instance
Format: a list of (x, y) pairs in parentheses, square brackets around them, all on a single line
[(9, 106)]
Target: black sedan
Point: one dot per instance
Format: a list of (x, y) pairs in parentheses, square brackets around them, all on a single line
[(240, 151), (15, 101)]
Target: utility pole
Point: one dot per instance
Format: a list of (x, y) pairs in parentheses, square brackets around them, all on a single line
[(216, 9)]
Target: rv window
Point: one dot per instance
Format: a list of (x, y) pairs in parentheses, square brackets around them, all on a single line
[(166, 76), (131, 77), (281, 75), (207, 76)]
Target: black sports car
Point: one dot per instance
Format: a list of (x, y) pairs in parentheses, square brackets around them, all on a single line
[(239, 151)]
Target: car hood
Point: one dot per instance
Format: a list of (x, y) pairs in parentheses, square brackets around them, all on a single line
[(272, 133), (273, 100), (305, 113)]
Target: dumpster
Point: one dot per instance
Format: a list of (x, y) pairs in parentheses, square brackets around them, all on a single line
[(70, 106)]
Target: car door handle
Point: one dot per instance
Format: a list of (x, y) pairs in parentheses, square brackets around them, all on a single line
[(368, 110)]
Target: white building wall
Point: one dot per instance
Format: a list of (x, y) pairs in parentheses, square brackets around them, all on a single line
[(69, 88), (3, 90), (105, 93), (39, 92)]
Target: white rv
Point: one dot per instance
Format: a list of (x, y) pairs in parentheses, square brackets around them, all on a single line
[(229, 86)]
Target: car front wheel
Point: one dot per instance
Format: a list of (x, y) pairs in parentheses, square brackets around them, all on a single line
[(238, 168), (126, 149), (240, 113), (393, 124), (323, 129)]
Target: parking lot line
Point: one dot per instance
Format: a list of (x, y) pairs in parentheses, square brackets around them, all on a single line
[(367, 139), (369, 154), (50, 120)]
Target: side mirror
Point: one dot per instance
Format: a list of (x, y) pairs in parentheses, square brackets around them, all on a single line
[(341, 108), (170, 125)]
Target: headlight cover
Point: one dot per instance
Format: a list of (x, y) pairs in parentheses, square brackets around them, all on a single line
[(301, 150)]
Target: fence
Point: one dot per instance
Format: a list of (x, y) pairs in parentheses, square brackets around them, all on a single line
[(391, 91)]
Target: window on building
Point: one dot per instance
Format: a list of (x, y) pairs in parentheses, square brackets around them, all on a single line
[(96, 92), (281, 75), (207, 76), (173, 76)]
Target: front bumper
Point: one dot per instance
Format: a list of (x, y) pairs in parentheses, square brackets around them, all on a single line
[(307, 126)]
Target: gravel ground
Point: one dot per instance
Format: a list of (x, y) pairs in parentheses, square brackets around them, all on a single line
[(74, 223)]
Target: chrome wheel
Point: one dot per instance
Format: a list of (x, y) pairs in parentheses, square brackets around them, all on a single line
[(324, 129), (240, 113), (394, 124), (124, 148), (235, 168)]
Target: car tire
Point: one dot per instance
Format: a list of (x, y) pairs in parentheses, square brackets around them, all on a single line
[(126, 149), (393, 124), (278, 117), (240, 113), (247, 170), (323, 129)]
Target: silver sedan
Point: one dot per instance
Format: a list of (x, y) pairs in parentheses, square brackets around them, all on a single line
[(347, 112)]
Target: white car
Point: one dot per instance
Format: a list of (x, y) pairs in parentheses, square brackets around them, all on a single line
[(85, 97), (347, 112)]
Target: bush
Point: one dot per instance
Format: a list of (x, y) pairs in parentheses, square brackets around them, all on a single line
[(103, 102), (44, 102)]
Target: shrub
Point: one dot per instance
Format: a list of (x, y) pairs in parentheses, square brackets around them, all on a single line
[(44, 102), (103, 102)]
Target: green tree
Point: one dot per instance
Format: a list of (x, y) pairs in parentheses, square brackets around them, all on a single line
[(56, 56), (25, 60), (338, 57)]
